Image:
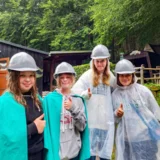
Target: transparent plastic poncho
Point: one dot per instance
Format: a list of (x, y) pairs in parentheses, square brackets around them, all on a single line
[(138, 131), (100, 115)]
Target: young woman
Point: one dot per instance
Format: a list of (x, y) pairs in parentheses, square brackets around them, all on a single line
[(22, 124), (66, 133), (137, 114), (94, 86)]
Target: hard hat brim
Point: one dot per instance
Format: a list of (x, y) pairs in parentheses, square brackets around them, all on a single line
[(23, 69), (56, 75), (125, 72), (102, 57)]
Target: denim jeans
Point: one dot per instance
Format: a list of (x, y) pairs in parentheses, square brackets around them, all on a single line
[(97, 139)]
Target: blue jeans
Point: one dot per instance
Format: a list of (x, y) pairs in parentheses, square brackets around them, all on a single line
[(94, 158), (97, 139)]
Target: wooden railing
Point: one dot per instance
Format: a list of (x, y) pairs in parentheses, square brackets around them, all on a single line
[(155, 76)]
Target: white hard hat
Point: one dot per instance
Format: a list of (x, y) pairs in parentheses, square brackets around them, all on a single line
[(64, 67), (124, 66), (22, 62), (99, 52)]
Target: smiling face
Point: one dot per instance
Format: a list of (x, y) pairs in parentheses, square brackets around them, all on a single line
[(100, 64), (125, 79), (26, 80), (65, 81)]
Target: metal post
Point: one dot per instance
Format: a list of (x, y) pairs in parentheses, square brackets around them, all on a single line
[(121, 55)]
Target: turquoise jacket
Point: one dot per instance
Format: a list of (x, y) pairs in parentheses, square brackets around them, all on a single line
[(52, 110), (13, 129)]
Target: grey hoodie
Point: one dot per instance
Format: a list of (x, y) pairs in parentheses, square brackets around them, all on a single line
[(73, 121)]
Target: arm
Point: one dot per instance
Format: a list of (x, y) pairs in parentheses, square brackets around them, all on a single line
[(153, 105), (47, 136), (78, 114), (31, 130), (82, 85), (117, 107)]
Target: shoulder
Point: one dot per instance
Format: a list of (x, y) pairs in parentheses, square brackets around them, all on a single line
[(79, 98), (7, 101), (52, 95), (143, 90), (7, 96), (115, 92), (86, 73)]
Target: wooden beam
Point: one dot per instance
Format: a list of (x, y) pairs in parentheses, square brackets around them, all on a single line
[(149, 64)]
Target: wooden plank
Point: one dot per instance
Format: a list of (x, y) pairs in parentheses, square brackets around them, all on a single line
[(154, 69), (152, 78), (3, 75)]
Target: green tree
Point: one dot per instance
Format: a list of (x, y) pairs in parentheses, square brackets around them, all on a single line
[(67, 24), (124, 20), (18, 20)]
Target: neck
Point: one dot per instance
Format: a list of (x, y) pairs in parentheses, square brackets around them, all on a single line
[(65, 91), (26, 93)]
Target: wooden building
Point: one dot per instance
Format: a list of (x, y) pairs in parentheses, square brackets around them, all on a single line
[(8, 49), (56, 57), (149, 57), (46, 61)]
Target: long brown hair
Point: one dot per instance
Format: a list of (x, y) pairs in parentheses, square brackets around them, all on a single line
[(96, 76), (13, 87)]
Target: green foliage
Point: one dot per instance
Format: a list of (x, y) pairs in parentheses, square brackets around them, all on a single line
[(19, 21), (47, 24), (81, 69), (79, 24), (112, 66), (121, 19), (155, 88), (74, 29), (84, 67)]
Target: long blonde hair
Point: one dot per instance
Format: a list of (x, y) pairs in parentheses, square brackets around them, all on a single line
[(96, 76), (13, 87)]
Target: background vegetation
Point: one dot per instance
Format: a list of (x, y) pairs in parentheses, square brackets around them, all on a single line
[(82, 68), (122, 25)]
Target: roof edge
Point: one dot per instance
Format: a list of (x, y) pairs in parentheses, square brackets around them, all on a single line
[(23, 47)]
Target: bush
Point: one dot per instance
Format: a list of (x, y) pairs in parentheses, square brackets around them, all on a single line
[(84, 67), (81, 69), (155, 88)]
